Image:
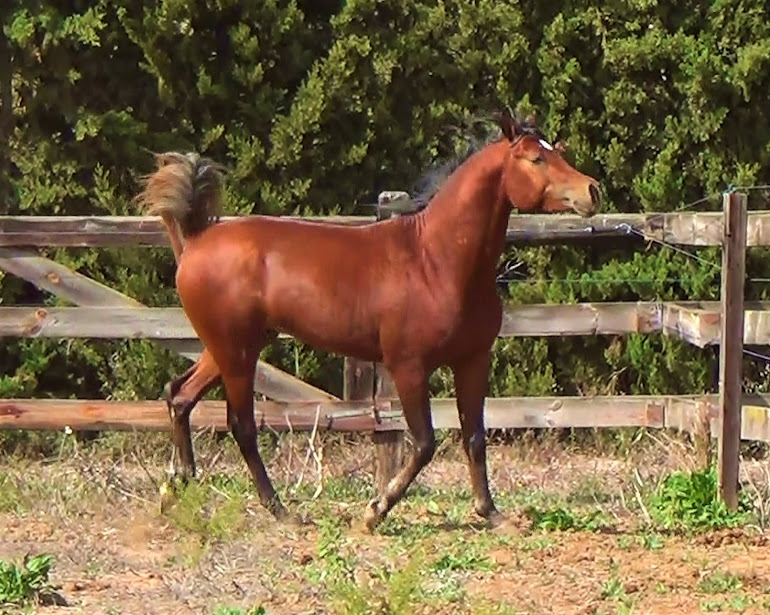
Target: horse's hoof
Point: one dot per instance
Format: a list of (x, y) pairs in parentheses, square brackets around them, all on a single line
[(279, 513), (297, 521), (373, 515), (496, 519)]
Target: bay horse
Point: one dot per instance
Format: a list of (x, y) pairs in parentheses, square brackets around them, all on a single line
[(415, 292)]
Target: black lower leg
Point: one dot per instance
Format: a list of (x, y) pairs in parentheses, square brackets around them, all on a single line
[(244, 429), (471, 383)]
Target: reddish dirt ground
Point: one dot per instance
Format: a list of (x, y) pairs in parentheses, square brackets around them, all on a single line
[(115, 552)]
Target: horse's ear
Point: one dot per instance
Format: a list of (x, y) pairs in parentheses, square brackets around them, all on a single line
[(508, 124), (560, 146)]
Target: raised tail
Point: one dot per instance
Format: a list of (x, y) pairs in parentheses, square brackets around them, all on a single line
[(186, 192)]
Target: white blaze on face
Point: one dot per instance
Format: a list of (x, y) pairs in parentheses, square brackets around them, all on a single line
[(546, 145)]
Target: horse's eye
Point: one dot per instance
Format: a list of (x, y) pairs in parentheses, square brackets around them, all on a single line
[(539, 160)]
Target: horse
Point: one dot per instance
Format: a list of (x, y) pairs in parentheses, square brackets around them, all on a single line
[(415, 293)]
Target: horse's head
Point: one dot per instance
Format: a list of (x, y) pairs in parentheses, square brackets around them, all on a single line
[(537, 178)]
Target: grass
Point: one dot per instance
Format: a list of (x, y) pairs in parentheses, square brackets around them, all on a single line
[(24, 583), (229, 610), (614, 590), (719, 582), (563, 519)]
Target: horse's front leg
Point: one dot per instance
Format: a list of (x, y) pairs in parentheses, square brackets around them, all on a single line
[(471, 378)]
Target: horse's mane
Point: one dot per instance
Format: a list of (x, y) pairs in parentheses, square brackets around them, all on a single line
[(481, 130)]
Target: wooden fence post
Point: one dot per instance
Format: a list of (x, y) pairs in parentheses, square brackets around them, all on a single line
[(388, 445), (731, 346), (366, 381)]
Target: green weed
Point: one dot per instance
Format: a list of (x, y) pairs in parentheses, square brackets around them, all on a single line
[(614, 590), (10, 494), (562, 519), (720, 583), (22, 584), (651, 542), (734, 604), (229, 610), (689, 501), (213, 509), (466, 560), (495, 608), (537, 543)]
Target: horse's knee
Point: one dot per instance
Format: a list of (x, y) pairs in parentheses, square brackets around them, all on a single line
[(426, 448)]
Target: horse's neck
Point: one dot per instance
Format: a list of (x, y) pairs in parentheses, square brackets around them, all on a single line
[(463, 228)]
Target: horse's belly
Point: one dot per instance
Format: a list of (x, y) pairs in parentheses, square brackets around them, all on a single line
[(326, 323)]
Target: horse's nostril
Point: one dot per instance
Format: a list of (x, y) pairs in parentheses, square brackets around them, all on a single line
[(596, 195)]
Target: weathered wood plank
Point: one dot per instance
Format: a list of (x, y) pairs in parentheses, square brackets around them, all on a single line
[(580, 319), (96, 323), (171, 323), (755, 422), (671, 411), (699, 322), (685, 228), (115, 231), (97, 415), (82, 290), (696, 322), (556, 412)]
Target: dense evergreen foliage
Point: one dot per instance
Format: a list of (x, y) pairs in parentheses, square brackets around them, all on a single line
[(316, 106)]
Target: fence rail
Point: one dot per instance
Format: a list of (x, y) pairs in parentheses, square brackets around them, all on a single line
[(686, 228), (697, 322), (688, 413)]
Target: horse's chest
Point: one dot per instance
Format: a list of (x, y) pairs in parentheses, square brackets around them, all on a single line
[(465, 329)]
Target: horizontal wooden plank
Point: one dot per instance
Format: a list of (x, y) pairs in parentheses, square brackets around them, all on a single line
[(685, 228), (96, 322), (699, 322), (673, 411), (698, 414), (558, 412), (580, 319), (115, 231), (171, 323), (696, 322), (98, 415)]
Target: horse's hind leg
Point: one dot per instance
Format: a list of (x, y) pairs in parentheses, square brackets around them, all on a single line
[(412, 386), (239, 387), (182, 394), (471, 383)]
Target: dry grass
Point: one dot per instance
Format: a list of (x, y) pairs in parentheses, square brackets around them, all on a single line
[(96, 508)]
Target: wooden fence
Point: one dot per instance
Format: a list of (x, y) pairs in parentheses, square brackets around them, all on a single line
[(369, 403)]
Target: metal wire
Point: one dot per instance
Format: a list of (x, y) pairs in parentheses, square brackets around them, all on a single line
[(671, 246), (757, 355)]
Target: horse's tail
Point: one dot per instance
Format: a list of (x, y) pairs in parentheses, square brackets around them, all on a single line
[(186, 192)]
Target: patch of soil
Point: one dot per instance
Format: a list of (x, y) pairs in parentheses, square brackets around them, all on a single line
[(120, 555)]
